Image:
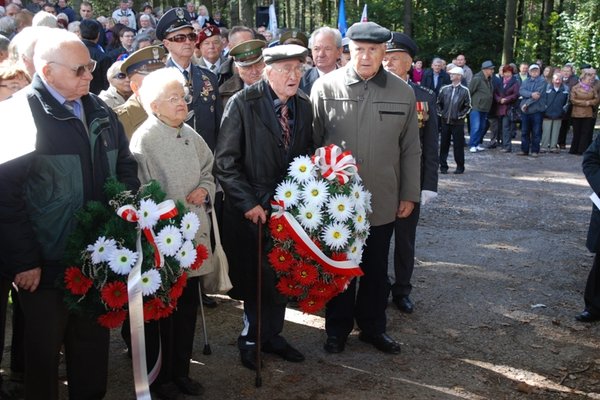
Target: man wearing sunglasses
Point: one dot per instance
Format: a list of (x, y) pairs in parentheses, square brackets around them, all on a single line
[(63, 145)]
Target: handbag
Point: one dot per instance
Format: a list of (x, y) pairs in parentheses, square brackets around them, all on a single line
[(217, 282), (514, 113)]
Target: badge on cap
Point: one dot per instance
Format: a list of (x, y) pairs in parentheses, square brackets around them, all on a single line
[(155, 53), (179, 13)]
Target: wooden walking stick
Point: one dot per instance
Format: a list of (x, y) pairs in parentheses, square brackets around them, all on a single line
[(258, 379)]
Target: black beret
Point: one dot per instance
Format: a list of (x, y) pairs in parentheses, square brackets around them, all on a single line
[(402, 42), (173, 20), (284, 52), (368, 32)]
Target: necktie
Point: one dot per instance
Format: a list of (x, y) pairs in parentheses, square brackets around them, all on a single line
[(213, 68), (285, 127), (72, 107), (188, 83)]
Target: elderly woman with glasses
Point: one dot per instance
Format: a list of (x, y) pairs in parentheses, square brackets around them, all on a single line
[(119, 90), (172, 153)]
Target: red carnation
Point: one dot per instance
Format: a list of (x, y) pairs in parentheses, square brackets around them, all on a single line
[(322, 290), (177, 288), (112, 319), (279, 229), (289, 287), (281, 260), (310, 305), (201, 256), (114, 294), (152, 309), (302, 251), (76, 282), (305, 274)]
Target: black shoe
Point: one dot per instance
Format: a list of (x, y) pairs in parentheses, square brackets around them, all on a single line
[(208, 301), (188, 386), (288, 353), (443, 171), (404, 304), (334, 344), (382, 342), (587, 316), (459, 171), (248, 357), (165, 391)]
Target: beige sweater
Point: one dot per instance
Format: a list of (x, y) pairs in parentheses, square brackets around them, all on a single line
[(180, 160)]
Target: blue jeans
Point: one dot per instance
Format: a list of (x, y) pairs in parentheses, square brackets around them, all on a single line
[(478, 119), (531, 132)]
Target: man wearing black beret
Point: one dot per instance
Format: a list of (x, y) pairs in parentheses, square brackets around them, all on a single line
[(400, 53), (372, 113)]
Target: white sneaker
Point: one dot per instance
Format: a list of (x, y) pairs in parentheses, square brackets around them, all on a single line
[(480, 148), (473, 149)]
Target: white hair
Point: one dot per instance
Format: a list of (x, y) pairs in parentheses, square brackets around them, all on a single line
[(325, 30), (43, 18), (49, 47), (74, 26), (155, 83), (23, 44), (113, 70)]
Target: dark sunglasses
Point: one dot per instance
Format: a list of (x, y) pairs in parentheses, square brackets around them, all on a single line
[(78, 69), (181, 38), (120, 76)]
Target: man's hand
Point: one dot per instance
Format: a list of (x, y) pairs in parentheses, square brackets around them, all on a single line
[(255, 214), (405, 208), (197, 197), (535, 95), (28, 280)]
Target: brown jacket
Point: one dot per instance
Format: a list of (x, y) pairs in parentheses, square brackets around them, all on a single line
[(583, 102)]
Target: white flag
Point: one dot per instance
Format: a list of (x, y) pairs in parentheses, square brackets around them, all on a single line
[(272, 19), (363, 17)]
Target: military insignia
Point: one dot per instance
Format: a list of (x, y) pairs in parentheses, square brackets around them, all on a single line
[(208, 33), (422, 112), (212, 109), (155, 53), (179, 13), (214, 97), (295, 35), (207, 87)]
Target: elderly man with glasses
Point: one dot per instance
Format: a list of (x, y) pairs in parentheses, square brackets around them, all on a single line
[(58, 147)]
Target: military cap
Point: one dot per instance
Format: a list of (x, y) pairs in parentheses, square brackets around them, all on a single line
[(206, 32), (173, 20), (248, 52), (368, 32), (284, 52), (487, 65), (402, 42), (295, 37), (147, 59)]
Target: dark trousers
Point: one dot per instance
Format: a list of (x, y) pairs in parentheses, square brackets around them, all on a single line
[(17, 346), (48, 325), (531, 132), (369, 304), (583, 130), (592, 288), (272, 317), (456, 132), (405, 231), (564, 128)]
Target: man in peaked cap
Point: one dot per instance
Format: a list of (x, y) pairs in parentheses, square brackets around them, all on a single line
[(265, 126), (400, 52), (249, 63), (372, 113), (294, 37), (136, 67), (209, 46)]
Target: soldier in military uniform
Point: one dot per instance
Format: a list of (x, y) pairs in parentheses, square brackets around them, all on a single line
[(175, 30), (400, 52), (249, 64), (137, 66)]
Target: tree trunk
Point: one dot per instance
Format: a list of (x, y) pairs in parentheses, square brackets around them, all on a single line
[(408, 17), (520, 15), (246, 13), (546, 33), (509, 31)]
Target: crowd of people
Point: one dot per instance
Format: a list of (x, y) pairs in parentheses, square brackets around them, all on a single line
[(216, 115)]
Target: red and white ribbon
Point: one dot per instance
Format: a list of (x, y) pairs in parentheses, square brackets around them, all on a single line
[(300, 237), (335, 163)]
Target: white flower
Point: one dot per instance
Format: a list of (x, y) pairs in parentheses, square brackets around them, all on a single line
[(301, 169), (310, 216), (340, 207), (189, 225), (357, 193), (355, 251), (150, 282), (289, 192), (102, 249), (336, 235), (169, 240), (360, 220), (148, 214), (315, 192), (121, 260), (367, 204), (186, 255)]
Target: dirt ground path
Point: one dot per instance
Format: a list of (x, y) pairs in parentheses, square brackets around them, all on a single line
[(500, 275)]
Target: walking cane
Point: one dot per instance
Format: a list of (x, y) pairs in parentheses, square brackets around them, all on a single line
[(258, 379), (207, 349)]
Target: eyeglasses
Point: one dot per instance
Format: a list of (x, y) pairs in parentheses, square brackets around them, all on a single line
[(120, 76), (299, 70), (181, 38), (176, 99), (79, 69)]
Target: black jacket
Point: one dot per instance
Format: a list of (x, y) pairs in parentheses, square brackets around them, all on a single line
[(428, 133), (103, 63), (591, 170), (428, 82), (250, 161), (453, 104)]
